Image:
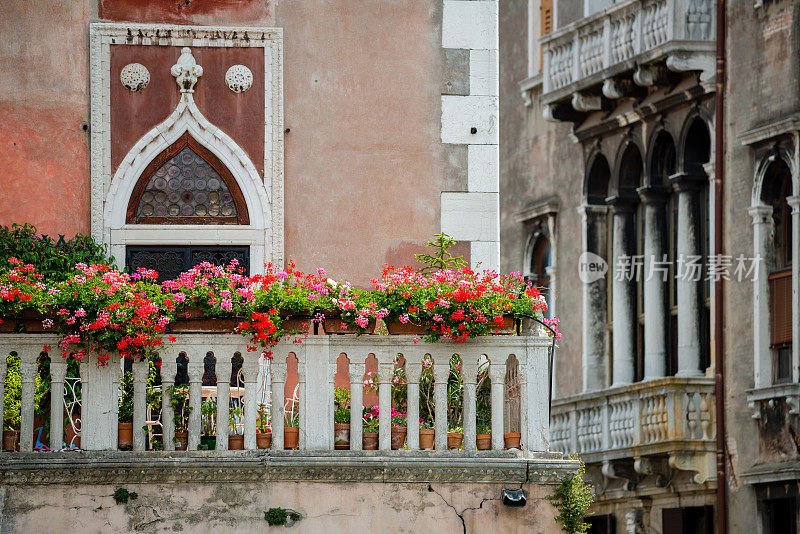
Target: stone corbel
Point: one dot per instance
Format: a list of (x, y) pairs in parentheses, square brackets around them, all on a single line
[(701, 463), (657, 467), (548, 112), (621, 471), (684, 62), (616, 89), (583, 102), (792, 402), (755, 406), (648, 76)]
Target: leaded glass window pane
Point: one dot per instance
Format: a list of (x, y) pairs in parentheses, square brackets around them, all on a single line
[(186, 186)]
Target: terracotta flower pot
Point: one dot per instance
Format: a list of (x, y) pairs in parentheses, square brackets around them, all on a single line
[(125, 436), (8, 324), (11, 440), (291, 437), (426, 439), (333, 324), (341, 436), (512, 440), (507, 328), (454, 440), (181, 441), (28, 320), (191, 319), (264, 440), (236, 442), (483, 442), (398, 437), (370, 441), (395, 327)]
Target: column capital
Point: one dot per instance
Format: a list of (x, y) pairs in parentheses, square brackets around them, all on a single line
[(357, 371), (794, 202), (441, 372), (497, 372), (195, 370), (413, 372), (623, 204), (688, 181), (654, 194), (385, 371), (761, 214), (277, 371), (588, 210)]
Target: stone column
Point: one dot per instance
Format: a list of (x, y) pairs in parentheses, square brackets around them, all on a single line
[(356, 405), (763, 229), (623, 303), (223, 371), (689, 290), (100, 397), (385, 404), (140, 372), (469, 374), (413, 372), (195, 371), (28, 356), (534, 389), (58, 373), (794, 203), (169, 368), (595, 332), (277, 371), (441, 372), (250, 368), (656, 281), (497, 374)]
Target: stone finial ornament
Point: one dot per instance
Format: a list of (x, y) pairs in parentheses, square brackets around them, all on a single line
[(239, 78), (134, 76), (186, 71)]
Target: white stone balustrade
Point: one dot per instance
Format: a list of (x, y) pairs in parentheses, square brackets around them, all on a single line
[(627, 34), (316, 367), (653, 417)]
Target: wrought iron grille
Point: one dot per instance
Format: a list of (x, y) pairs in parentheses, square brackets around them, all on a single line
[(170, 261)]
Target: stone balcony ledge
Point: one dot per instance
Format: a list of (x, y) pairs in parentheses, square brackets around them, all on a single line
[(769, 395), (109, 467)]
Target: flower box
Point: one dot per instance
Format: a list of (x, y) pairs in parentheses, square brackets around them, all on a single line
[(396, 327), (28, 320), (194, 320), (333, 324)]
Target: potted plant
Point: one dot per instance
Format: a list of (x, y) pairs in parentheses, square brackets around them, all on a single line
[(341, 419), (399, 426), (348, 310), (483, 439), (235, 440), (179, 400), (370, 429), (263, 429), (125, 414), (512, 440), (291, 428), (210, 298), (23, 299), (455, 438), (12, 405), (426, 435), (208, 417)]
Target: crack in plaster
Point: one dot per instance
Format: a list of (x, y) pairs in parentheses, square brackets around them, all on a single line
[(465, 510)]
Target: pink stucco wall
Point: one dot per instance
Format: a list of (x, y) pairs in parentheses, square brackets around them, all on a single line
[(363, 174)]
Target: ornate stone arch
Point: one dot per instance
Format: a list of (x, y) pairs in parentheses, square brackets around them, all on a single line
[(653, 146), (762, 165), (629, 143), (680, 147), (596, 164)]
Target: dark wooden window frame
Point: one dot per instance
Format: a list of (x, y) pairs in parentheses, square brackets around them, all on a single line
[(186, 140)]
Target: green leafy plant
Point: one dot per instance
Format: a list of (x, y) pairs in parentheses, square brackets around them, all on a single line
[(278, 516), (572, 499), (235, 414), (122, 495), (441, 258), (13, 394), (55, 259), (291, 416), (126, 399), (341, 397), (262, 422), (208, 412), (370, 420), (179, 400)]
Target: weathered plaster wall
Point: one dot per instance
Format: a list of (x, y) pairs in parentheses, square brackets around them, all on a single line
[(44, 161), (762, 86), (538, 160), (325, 507), (362, 101)]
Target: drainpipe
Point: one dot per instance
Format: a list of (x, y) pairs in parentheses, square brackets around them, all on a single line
[(719, 370)]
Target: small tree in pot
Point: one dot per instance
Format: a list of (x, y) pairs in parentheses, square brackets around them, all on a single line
[(125, 413), (179, 399), (341, 419)]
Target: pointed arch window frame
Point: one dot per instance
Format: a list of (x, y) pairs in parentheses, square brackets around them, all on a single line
[(187, 141)]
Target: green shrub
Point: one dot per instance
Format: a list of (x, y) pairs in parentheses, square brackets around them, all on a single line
[(572, 499)]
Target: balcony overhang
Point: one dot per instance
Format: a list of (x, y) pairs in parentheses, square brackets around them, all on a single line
[(619, 51)]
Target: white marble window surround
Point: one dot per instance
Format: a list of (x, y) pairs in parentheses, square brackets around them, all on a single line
[(263, 194), (763, 229)]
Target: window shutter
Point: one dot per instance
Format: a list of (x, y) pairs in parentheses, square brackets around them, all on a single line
[(547, 16), (780, 289)]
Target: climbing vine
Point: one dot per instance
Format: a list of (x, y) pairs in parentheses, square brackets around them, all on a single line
[(572, 499)]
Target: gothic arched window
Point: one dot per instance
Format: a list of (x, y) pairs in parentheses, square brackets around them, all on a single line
[(186, 184)]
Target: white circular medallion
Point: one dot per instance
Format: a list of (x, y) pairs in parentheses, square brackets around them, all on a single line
[(239, 78), (134, 76)]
